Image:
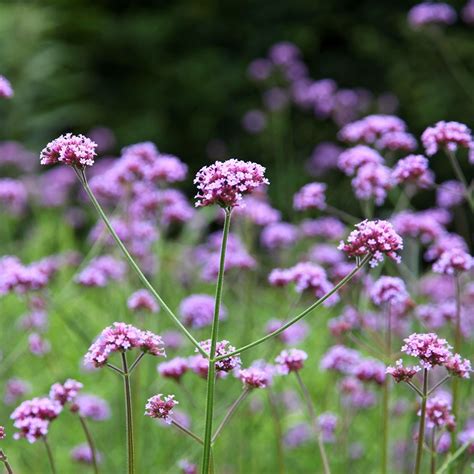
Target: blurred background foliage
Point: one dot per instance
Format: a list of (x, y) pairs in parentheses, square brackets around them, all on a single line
[(175, 72)]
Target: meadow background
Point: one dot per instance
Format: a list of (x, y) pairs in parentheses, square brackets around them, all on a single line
[(175, 73)]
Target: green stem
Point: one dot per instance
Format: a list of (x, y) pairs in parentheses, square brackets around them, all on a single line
[(4, 460), (50, 455), (457, 349), (82, 177), (211, 376), (421, 431), (186, 431), (460, 176), (278, 432), (302, 314), (314, 423), (90, 442), (128, 415), (386, 393), (230, 412), (433, 451)]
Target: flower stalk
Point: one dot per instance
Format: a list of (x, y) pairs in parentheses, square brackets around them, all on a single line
[(421, 431), (49, 453), (90, 442), (4, 460), (128, 415)]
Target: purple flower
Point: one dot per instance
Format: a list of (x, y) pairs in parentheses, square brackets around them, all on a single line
[(6, 90), (259, 375), (2, 432), (143, 300), (450, 194), (351, 160), (371, 128), (453, 261), (122, 337), (439, 413), (93, 407), (426, 225), (291, 360), (395, 141), (73, 150), (323, 158), (310, 196), (402, 373), (430, 349), (458, 366), (37, 345), (340, 359), (13, 195), (260, 69), (14, 389), (161, 408), (257, 211), (325, 227), (254, 121), (173, 368), (197, 311), (101, 270), (279, 235), (297, 435), (168, 169), (388, 290), (82, 453), (225, 182), (65, 393), (431, 13), (467, 12), (283, 53), (222, 348), (376, 238), (293, 335), (413, 169), (448, 135), (187, 467), (444, 243), (327, 423), (372, 181), (370, 370), (275, 98)]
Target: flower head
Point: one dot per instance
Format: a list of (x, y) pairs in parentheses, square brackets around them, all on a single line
[(6, 90), (2, 432), (453, 261), (291, 360), (458, 366), (161, 408), (446, 134), (375, 238), (82, 453), (351, 160), (258, 375), (388, 290), (173, 368), (402, 373), (439, 413), (143, 300), (431, 13), (310, 196), (66, 392), (225, 182), (93, 407), (121, 337), (73, 150), (222, 348), (197, 310), (413, 169), (430, 349), (372, 181)]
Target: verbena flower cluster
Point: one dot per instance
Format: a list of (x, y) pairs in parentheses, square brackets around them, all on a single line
[(73, 150)]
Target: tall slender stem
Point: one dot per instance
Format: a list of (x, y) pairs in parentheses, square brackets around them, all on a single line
[(186, 431), (4, 460), (386, 391), (90, 442), (230, 412), (314, 423), (460, 176), (50, 454), (211, 376), (128, 415), (421, 431), (278, 432), (82, 177), (457, 349), (301, 315), (433, 451)]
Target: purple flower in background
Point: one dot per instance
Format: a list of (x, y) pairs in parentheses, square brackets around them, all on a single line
[(82, 453), (297, 435), (390, 290), (370, 370), (310, 196), (225, 182), (173, 368), (187, 467), (257, 211), (222, 348), (450, 194), (326, 254), (291, 360), (439, 413), (101, 270), (341, 359), (143, 300), (467, 13), (275, 98), (279, 235), (458, 366), (448, 135), (397, 141), (371, 128), (453, 261), (37, 345), (13, 195), (168, 169), (323, 158), (402, 373), (6, 89), (413, 169), (283, 53), (327, 423), (352, 159), (254, 121), (197, 311), (15, 388), (424, 225), (295, 334), (372, 181), (93, 407), (260, 69), (427, 13), (161, 408), (258, 375), (73, 150), (325, 227), (66, 392)]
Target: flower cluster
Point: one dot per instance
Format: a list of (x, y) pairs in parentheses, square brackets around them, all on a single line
[(390, 290), (161, 408), (372, 181), (174, 368), (402, 373), (430, 349), (143, 300), (82, 453), (225, 182), (122, 337), (66, 392), (6, 90), (279, 235), (291, 360), (453, 261), (100, 271), (413, 169), (352, 159), (375, 238), (73, 150), (427, 13), (259, 375), (448, 135), (438, 413), (91, 406), (13, 195), (222, 348), (371, 128), (310, 196), (197, 311)]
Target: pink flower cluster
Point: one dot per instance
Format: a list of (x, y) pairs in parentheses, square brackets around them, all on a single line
[(32, 417), (13, 195), (225, 182), (448, 135), (431, 13), (352, 159), (122, 337), (6, 90), (402, 373), (66, 392), (279, 235), (222, 348), (100, 271), (161, 408), (439, 414), (197, 311), (291, 360), (371, 128), (91, 406), (453, 261), (259, 375), (372, 181), (82, 453), (307, 277), (174, 368), (257, 210), (73, 150), (325, 227), (310, 196), (376, 238), (413, 169), (143, 300), (388, 289)]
